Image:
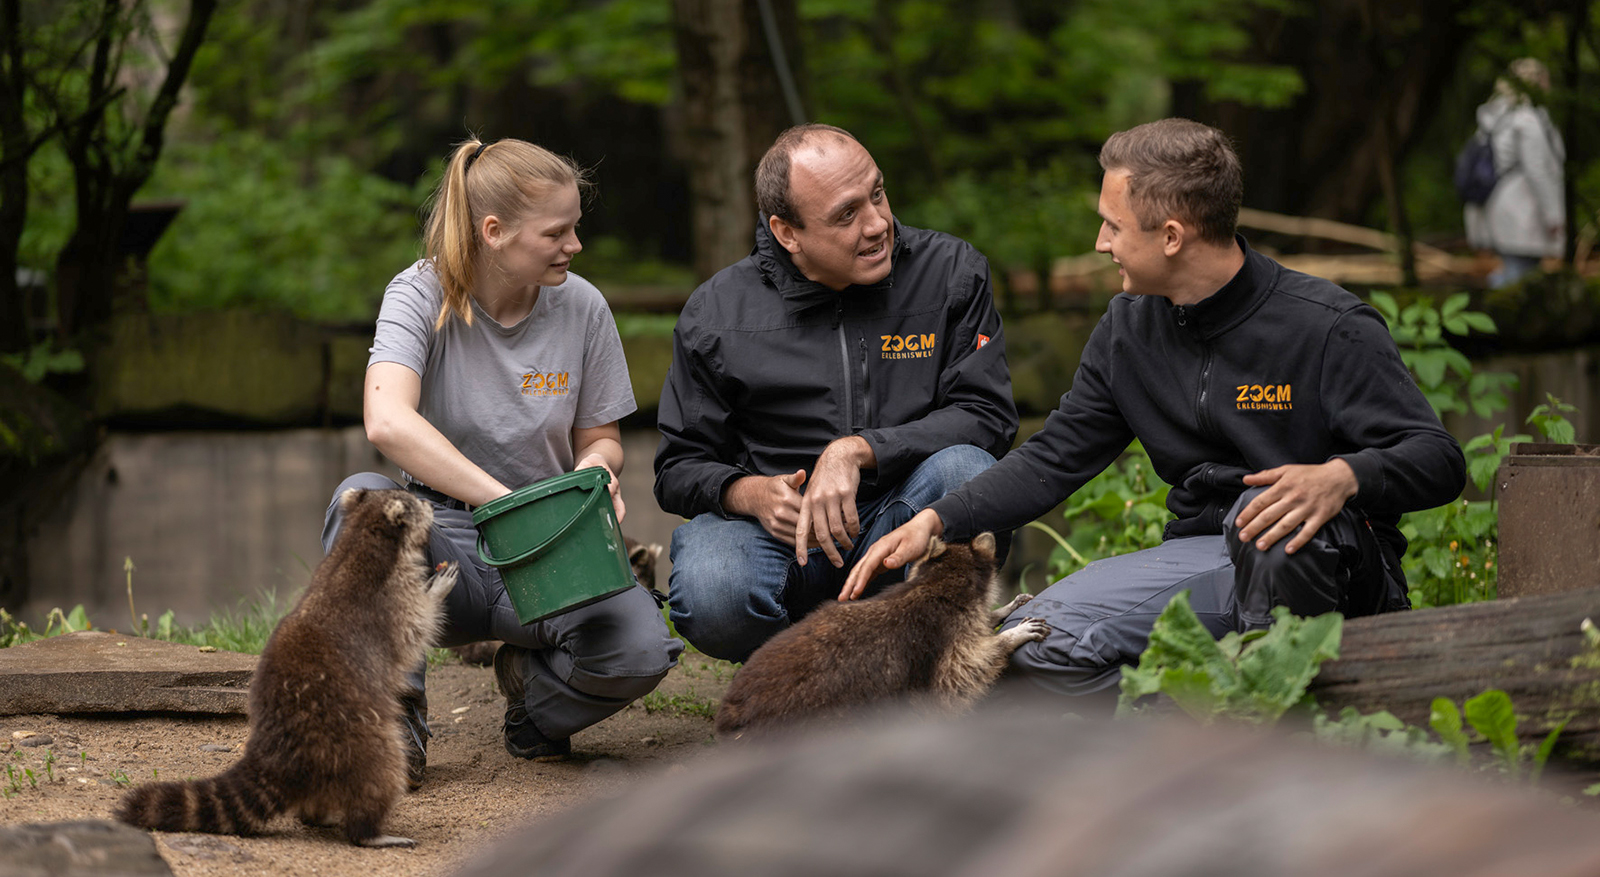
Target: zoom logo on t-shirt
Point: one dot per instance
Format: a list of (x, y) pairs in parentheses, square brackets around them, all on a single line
[(543, 383)]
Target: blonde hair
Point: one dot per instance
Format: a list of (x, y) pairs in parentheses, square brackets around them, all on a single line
[(507, 179)]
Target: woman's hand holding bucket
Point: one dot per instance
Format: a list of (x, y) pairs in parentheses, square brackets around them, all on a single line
[(614, 485)]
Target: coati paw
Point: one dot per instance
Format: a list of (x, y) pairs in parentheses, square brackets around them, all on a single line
[(443, 579), (1036, 629), (1005, 611), (1031, 630)]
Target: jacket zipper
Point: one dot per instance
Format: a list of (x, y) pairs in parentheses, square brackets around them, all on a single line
[(1201, 417), (866, 387), (844, 360)]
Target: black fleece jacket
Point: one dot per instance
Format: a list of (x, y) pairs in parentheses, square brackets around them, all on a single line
[(768, 367), (1276, 367)]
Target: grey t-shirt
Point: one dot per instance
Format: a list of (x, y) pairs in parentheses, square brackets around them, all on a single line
[(508, 397)]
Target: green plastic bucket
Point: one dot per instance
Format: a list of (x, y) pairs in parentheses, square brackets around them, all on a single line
[(556, 544)]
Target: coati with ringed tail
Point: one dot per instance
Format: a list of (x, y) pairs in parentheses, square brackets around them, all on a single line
[(929, 639), (325, 726)]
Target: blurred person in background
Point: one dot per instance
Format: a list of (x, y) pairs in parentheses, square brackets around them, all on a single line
[(1524, 219)]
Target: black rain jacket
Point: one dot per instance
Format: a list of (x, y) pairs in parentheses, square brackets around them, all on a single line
[(768, 367), (1277, 367)]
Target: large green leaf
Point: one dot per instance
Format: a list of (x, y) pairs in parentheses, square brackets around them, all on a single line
[(1253, 677), (1491, 715), (1276, 668), (1445, 721)]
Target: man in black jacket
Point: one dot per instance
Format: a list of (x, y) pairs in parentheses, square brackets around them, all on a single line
[(848, 372), (1274, 403)]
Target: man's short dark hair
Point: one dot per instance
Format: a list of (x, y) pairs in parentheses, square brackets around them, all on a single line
[(772, 173), (1179, 169)]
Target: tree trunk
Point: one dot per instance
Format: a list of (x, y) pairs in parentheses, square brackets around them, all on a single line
[(1532, 648), (1319, 156), (1578, 28), (733, 107), (15, 150), (106, 177)]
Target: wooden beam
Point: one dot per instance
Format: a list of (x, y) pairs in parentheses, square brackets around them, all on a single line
[(1532, 648)]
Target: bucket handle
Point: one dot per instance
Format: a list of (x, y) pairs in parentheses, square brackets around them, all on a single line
[(542, 547)]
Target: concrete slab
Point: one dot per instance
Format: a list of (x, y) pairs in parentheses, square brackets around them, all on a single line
[(95, 672), (90, 848)]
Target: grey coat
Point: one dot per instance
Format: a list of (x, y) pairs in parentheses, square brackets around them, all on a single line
[(1526, 214)]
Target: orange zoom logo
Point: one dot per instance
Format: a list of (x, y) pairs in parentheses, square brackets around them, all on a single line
[(908, 346), (1264, 397), (545, 384)]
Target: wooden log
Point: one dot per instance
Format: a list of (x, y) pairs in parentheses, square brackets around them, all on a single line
[(1532, 648)]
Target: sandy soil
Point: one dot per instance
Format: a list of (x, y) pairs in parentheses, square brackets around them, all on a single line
[(475, 792)]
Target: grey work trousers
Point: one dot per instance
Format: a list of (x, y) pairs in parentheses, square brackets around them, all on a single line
[(588, 663), (1100, 616)]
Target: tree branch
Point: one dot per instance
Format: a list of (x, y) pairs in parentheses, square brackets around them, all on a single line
[(155, 123)]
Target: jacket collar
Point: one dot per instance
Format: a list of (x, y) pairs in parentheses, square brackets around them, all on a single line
[(778, 269), (1236, 300)]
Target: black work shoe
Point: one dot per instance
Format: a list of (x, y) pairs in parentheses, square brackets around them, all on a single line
[(414, 736), (523, 740)]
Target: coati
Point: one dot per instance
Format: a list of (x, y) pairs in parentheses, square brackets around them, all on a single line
[(930, 639), (325, 726), (640, 556)]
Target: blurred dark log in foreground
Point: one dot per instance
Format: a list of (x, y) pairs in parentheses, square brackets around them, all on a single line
[(1530, 647), (1027, 792)]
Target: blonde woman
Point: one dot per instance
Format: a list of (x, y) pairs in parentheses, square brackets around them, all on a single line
[(494, 366)]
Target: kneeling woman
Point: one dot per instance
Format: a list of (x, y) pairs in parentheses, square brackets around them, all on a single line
[(463, 338)]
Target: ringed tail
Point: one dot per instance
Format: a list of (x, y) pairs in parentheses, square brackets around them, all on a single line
[(236, 802)]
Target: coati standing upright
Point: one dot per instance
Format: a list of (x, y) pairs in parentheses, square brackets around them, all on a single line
[(325, 727), (930, 638)]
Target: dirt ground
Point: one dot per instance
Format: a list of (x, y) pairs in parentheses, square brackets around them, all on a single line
[(475, 792)]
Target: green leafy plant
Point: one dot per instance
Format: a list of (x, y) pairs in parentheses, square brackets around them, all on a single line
[(1123, 509), (1254, 677), (1548, 418), (1445, 374), (1453, 555), (1380, 732), (1492, 716), (43, 359), (244, 629)]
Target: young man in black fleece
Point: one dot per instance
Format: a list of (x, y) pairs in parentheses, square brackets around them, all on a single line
[(1274, 403), (823, 389)]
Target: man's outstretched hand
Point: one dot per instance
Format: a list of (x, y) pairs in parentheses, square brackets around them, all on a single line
[(773, 500), (897, 548), (828, 509), (1300, 493)]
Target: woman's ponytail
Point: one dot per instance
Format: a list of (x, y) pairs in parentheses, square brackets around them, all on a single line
[(507, 178), (451, 240)]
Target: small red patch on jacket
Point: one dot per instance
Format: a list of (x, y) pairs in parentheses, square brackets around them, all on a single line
[(982, 340)]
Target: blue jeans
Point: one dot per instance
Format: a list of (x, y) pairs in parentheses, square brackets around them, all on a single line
[(1512, 268), (734, 585)]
